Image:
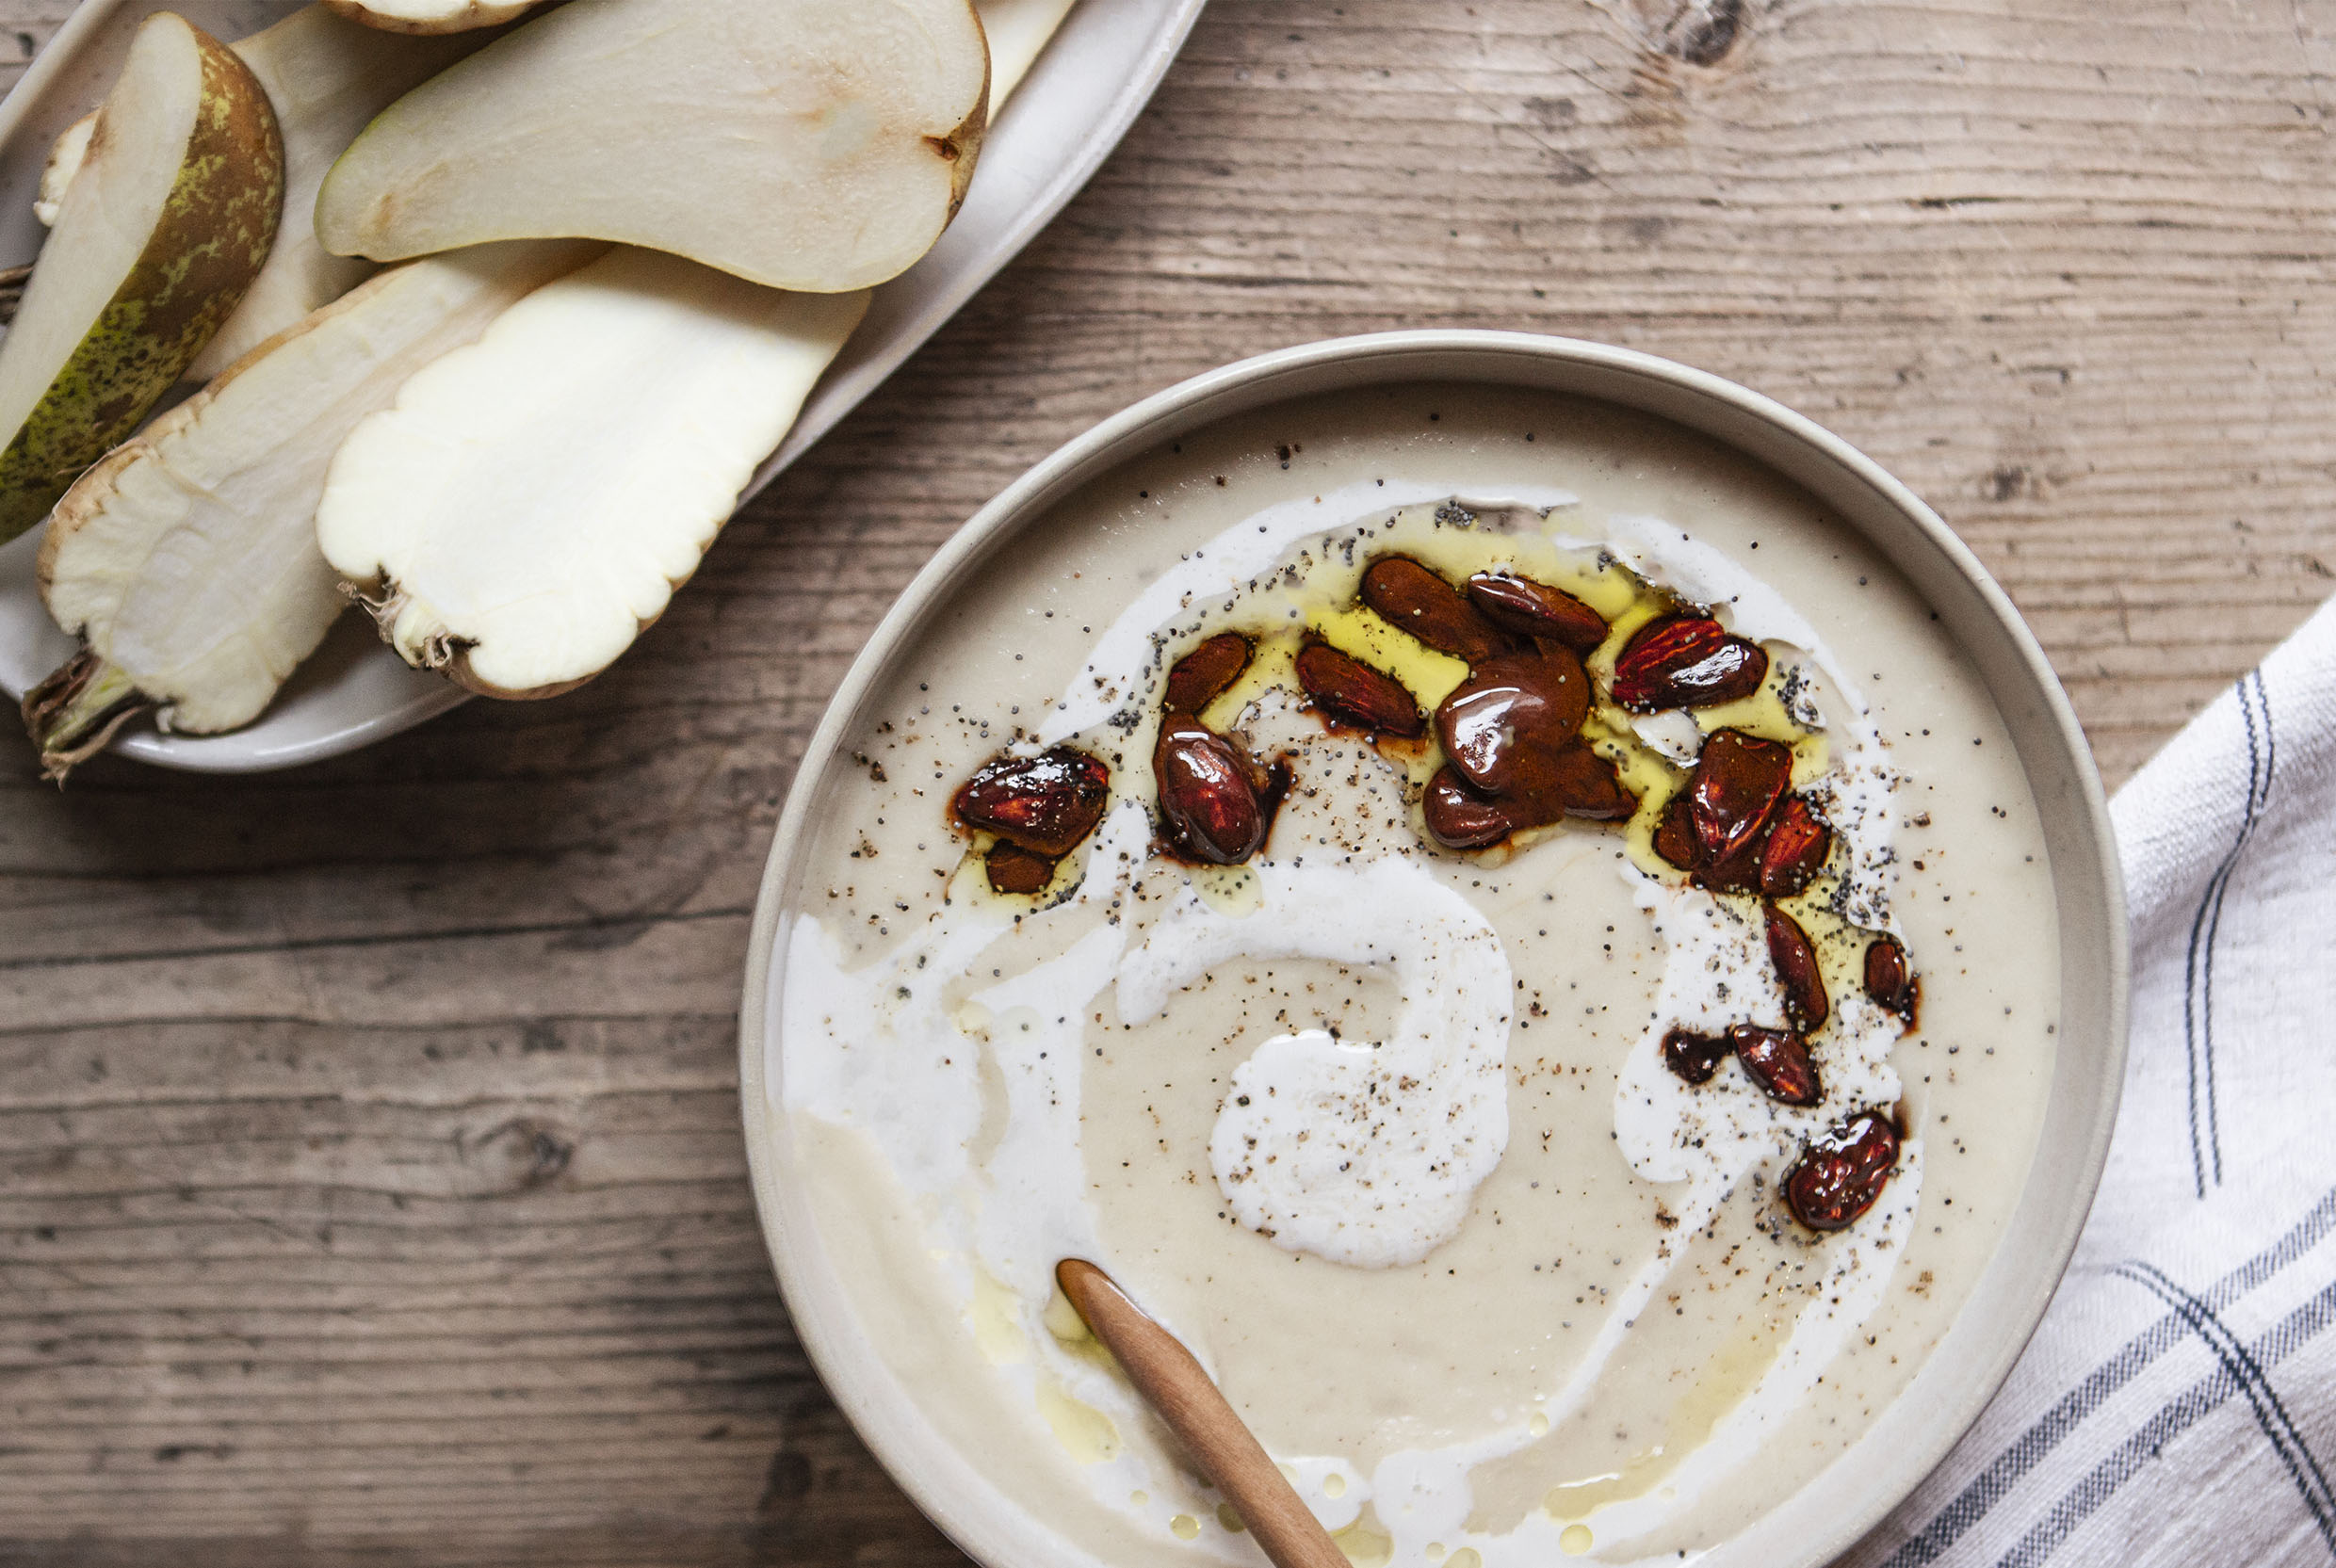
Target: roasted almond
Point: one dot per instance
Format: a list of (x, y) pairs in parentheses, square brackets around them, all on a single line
[(1208, 793), (1675, 835), (1688, 662), (1777, 1062), (1014, 870), (1577, 781), (1403, 592), (1200, 676), (1530, 608), (1737, 783), (1796, 852), (1842, 1172), (1460, 819), (1511, 705), (1046, 804), (1888, 979), (1350, 689), (1694, 1057), (1806, 1004)]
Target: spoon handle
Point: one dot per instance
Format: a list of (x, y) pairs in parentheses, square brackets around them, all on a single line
[(1227, 1452)]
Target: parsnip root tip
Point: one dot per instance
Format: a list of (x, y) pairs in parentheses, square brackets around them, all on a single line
[(74, 713)]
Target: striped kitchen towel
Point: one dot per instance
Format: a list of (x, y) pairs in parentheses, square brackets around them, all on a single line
[(2179, 1403)]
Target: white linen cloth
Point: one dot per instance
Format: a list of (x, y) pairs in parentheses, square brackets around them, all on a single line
[(2179, 1403)]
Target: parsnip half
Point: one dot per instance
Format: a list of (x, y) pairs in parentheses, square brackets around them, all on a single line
[(186, 561), (160, 235), (430, 17), (809, 144), (533, 500)]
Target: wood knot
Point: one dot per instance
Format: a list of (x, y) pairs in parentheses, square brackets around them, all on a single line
[(1698, 32), (523, 1153)]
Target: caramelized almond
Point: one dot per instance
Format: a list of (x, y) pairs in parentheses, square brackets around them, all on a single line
[(1403, 592), (1777, 1062), (1579, 783), (1796, 849), (1530, 608), (1694, 1057), (1353, 691), (1460, 819), (1509, 706), (1200, 676), (1209, 792), (1688, 662), (1843, 1171), (1014, 870), (1675, 835), (1046, 804), (1806, 1004), (1888, 979), (1738, 781)]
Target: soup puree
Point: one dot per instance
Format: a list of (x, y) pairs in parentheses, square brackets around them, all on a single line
[(1384, 1132)]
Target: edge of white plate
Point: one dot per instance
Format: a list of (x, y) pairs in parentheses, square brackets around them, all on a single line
[(1850, 1497)]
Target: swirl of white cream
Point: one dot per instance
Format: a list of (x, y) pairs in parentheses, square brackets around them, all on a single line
[(1365, 1152)]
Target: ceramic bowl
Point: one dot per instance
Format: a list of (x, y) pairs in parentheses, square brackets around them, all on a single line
[(1974, 1355)]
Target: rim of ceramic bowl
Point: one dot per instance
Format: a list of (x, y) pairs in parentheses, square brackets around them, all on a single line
[(1971, 1359)]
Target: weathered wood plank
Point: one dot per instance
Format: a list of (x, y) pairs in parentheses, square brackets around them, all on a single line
[(370, 1190)]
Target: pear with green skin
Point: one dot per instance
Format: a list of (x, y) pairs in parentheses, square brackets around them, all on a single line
[(325, 78), (169, 219), (800, 144)]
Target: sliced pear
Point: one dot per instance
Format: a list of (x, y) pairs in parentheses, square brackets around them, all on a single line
[(66, 155), (186, 561), (532, 501), (1017, 31), (325, 78), (805, 144), (160, 233)]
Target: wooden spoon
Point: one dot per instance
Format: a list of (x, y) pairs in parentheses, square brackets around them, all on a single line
[(1227, 1452)]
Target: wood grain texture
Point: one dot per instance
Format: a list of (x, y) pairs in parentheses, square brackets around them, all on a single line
[(371, 1182)]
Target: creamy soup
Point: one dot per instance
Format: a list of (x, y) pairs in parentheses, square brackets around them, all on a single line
[(1501, 923)]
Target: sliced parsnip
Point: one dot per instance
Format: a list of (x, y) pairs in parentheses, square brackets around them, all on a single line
[(158, 236), (186, 561), (430, 17), (1018, 31), (803, 144), (532, 501)]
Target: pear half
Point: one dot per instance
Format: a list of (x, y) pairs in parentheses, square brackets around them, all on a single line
[(430, 17), (161, 231), (186, 561), (325, 78), (805, 144), (533, 500)]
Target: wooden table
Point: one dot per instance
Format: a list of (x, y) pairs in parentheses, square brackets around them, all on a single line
[(371, 1189)]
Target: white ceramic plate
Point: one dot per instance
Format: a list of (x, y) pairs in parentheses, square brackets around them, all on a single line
[(1833, 1511), (1070, 111)]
